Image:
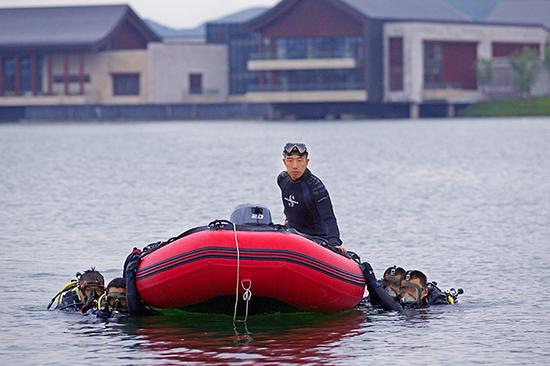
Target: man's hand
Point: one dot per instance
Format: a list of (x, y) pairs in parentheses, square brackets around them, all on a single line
[(341, 249), (285, 223), (368, 273)]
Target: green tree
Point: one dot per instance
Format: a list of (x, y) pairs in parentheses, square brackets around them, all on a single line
[(484, 72), (526, 66)]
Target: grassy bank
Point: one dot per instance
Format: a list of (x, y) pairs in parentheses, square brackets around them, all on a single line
[(510, 107)]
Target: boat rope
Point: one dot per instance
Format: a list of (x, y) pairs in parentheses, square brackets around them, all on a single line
[(247, 295), (238, 272)]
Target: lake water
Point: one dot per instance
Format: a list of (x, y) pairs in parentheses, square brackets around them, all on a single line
[(465, 201)]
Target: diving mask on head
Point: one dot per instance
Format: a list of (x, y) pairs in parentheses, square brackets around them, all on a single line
[(391, 279), (291, 147)]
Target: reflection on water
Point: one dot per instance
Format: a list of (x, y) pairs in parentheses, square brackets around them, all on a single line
[(466, 201), (294, 338)]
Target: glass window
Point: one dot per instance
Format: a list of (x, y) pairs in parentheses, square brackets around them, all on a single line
[(307, 80), (9, 74), (396, 63), (125, 84), (433, 65), (39, 66), (26, 75), (318, 47), (195, 83), (282, 48)]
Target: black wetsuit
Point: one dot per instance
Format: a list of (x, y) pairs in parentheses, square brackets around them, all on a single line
[(436, 296), (308, 208), (105, 313), (70, 302), (377, 294), (136, 306)]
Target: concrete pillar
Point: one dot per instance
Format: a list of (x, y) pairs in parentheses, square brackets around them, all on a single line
[(270, 112), (414, 110), (451, 110), (416, 68)]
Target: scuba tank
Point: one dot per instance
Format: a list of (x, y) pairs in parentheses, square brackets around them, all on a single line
[(71, 286), (438, 297), (452, 295)]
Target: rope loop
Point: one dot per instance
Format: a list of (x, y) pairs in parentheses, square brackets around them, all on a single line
[(247, 295), (247, 289)]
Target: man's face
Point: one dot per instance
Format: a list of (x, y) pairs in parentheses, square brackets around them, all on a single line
[(89, 291), (413, 289), (295, 165), (393, 286), (116, 299)]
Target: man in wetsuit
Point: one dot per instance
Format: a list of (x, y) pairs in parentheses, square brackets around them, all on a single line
[(306, 201), (401, 290), (379, 294), (415, 291), (114, 302), (84, 294)]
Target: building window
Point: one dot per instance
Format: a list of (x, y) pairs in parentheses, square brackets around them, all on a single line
[(71, 78), (396, 63), (309, 80), (26, 75), (21, 75), (318, 47), (433, 65), (507, 49), (125, 84), (240, 51), (195, 83), (8, 70), (450, 65)]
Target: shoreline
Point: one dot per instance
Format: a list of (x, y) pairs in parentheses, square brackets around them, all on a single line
[(531, 107)]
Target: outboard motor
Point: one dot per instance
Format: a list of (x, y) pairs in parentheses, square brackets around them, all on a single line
[(248, 214)]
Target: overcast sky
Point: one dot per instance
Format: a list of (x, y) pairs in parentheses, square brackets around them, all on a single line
[(174, 13)]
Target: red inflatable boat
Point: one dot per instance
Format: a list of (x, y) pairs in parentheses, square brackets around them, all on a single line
[(199, 270)]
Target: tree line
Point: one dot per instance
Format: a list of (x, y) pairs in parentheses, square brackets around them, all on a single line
[(526, 66)]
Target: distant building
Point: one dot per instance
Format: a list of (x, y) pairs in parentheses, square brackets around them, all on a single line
[(376, 51), (73, 55), (241, 45), (187, 72), (101, 55), (301, 58)]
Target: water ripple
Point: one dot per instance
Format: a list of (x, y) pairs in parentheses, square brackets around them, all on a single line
[(465, 201)]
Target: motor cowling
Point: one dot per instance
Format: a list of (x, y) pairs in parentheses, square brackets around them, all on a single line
[(249, 214)]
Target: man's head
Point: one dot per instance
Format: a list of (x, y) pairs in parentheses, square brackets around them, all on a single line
[(116, 295), (295, 158), (392, 280), (90, 287), (414, 289)]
